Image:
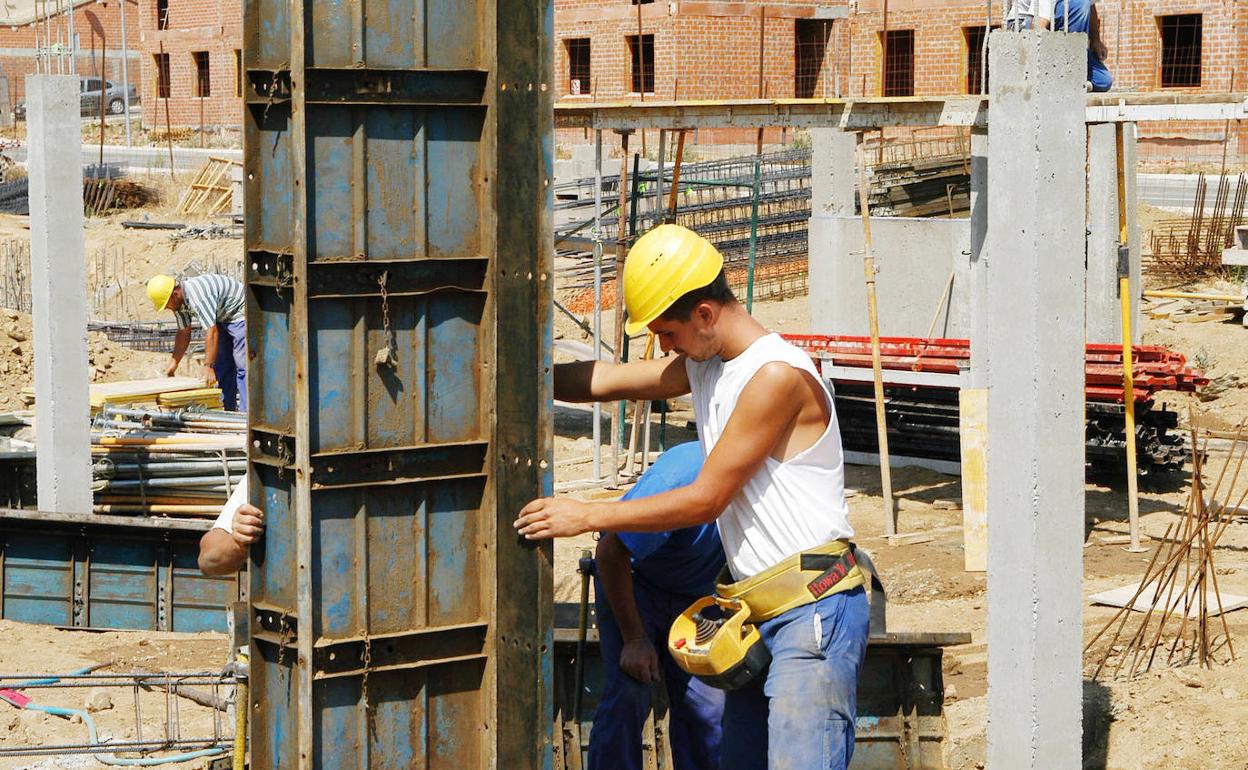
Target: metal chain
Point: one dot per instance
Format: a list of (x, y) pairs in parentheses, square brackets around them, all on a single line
[(273, 91), (387, 356), (368, 664), (283, 637)]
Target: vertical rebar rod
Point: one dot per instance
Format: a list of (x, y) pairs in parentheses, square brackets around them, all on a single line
[(621, 250)]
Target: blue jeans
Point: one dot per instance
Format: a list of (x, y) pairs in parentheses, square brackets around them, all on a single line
[(800, 716), (1081, 21), (230, 365), (695, 709)]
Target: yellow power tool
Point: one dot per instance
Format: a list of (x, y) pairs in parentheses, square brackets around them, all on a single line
[(712, 641)]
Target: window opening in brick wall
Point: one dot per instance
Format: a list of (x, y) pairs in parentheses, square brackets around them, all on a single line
[(238, 72), (899, 63), (578, 65), (810, 43), (642, 58), (642, 2), (203, 77), (162, 14), (976, 78), (161, 60), (1180, 50)]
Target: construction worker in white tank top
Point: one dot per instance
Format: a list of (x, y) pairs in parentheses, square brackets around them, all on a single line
[(774, 482)]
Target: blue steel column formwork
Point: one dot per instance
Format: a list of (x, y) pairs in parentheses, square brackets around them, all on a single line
[(398, 156)]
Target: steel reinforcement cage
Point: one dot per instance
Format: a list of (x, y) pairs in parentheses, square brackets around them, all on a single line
[(398, 158)]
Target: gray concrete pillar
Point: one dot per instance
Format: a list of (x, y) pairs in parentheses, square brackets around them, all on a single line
[(977, 259), (1130, 166), (833, 186), (1104, 315), (58, 294), (1033, 307)]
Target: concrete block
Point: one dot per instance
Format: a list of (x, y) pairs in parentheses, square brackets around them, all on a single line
[(58, 294), (914, 258), (833, 182), (1032, 325)]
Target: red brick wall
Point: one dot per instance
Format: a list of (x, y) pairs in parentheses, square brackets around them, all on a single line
[(97, 25), (214, 26)]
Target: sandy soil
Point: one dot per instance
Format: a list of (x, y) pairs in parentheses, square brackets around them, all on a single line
[(106, 360)]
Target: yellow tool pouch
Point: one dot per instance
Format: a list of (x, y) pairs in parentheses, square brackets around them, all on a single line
[(716, 640)]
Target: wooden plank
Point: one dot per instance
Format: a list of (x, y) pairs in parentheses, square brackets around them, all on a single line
[(973, 427)]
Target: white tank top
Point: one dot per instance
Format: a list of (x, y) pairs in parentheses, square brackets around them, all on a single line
[(785, 507)]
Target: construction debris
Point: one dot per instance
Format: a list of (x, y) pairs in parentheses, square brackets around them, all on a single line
[(211, 191)]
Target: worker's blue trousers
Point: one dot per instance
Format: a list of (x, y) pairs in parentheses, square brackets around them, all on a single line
[(800, 715), (1081, 21), (695, 709), (230, 364)]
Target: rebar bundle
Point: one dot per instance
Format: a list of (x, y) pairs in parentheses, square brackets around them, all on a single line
[(1191, 247), (1181, 579), (206, 690)]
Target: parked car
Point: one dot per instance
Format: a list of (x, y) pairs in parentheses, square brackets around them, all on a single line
[(92, 90)]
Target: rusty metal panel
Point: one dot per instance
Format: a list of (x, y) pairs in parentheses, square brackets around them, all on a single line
[(74, 571), (397, 165)]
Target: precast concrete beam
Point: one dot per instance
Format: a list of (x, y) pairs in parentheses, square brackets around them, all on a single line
[(1032, 334), (58, 295)]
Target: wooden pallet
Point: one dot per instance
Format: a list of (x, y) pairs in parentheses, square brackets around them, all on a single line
[(212, 189)]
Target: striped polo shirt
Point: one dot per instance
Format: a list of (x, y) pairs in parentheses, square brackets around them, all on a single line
[(212, 299)]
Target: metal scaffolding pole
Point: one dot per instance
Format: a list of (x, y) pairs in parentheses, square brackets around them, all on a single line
[(597, 295)]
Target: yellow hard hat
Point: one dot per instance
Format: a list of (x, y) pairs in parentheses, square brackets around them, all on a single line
[(663, 265), (160, 289)]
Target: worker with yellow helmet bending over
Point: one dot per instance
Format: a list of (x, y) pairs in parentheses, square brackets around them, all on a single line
[(217, 302), (786, 632)]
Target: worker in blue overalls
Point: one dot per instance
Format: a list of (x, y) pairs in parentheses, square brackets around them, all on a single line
[(644, 581), (1083, 18)]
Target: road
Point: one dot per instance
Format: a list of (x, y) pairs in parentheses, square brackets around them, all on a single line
[(1178, 190)]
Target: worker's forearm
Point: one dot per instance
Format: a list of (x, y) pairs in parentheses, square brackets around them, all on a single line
[(574, 381), (684, 507), (220, 554), (210, 345), (181, 341), (615, 576)]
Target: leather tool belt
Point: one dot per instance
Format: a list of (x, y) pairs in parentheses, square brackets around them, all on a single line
[(800, 579)]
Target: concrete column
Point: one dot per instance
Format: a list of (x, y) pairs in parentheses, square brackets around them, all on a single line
[(1130, 161), (833, 186), (1033, 305), (58, 294), (1104, 316)]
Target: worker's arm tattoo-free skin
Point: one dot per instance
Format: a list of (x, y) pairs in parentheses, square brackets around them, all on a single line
[(765, 413)]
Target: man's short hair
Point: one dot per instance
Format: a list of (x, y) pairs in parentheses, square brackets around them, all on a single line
[(715, 291)]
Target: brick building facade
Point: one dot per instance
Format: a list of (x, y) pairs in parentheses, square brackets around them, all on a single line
[(818, 48), (96, 25), (192, 60)]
